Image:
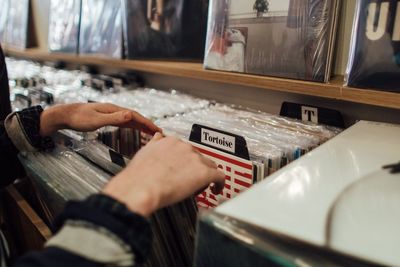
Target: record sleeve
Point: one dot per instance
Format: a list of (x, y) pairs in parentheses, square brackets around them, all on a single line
[(17, 24), (283, 38), (3, 18), (101, 28), (64, 23), (374, 60), (165, 28)]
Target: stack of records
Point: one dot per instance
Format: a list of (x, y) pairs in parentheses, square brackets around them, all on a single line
[(33, 84), (70, 177), (64, 23), (101, 28), (151, 103), (126, 141), (272, 141), (374, 60), (284, 38), (86, 145), (156, 104), (165, 29)]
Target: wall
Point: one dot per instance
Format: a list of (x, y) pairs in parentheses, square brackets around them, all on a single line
[(40, 10), (244, 8)]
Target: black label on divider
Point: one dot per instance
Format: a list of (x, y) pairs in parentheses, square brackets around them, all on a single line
[(117, 158), (312, 114), (220, 140)]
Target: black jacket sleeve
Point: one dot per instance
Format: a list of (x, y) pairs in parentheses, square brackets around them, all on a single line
[(8, 157), (101, 215), (5, 106), (9, 164), (22, 132)]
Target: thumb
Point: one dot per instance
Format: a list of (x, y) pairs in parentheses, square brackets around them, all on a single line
[(156, 137)]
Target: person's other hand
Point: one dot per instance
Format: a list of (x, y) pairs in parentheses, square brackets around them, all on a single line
[(162, 173), (90, 117)]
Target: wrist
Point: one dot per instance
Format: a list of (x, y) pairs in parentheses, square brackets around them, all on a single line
[(52, 120), (143, 200)]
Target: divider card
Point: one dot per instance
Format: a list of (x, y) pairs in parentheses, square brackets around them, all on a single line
[(230, 153)]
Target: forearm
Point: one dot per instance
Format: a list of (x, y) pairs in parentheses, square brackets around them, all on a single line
[(96, 232), (56, 118)]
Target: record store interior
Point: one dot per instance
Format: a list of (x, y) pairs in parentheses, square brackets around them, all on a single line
[(199, 133)]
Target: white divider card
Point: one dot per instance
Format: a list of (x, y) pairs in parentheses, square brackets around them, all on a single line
[(230, 153)]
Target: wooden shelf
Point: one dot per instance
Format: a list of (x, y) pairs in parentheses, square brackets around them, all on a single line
[(332, 90)]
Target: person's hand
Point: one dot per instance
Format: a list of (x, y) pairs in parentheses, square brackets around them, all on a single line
[(90, 117), (162, 173)]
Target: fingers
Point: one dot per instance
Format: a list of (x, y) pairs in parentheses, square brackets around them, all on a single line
[(139, 122), (147, 125), (156, 137), (215, 176), (218, 177), (123, 119)]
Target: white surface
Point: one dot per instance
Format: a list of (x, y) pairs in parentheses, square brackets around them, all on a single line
[(366, 219), (296, 200)]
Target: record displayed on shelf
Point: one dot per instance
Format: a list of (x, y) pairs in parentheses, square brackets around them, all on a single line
[(64, 23), (283, 38), (165, 28), (17, 33), (374, 60), (101, 28), (3, 18)]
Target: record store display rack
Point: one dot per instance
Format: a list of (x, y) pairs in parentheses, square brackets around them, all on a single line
[(273, 91)]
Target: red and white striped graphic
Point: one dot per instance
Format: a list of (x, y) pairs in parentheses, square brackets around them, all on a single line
[(239, 176)]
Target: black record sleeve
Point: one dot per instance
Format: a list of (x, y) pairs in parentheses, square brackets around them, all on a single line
[(165, 29), (374, 60)]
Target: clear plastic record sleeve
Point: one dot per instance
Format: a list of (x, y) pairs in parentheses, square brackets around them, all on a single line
[(101, 28), (17, 24), (64, 23), (165, 28), (374, 60), (284, 38)]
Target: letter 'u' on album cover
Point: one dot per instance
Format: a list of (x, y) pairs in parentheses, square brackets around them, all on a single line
[(374, 60)]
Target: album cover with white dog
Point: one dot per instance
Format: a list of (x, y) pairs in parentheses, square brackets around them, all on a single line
[(283, 38)]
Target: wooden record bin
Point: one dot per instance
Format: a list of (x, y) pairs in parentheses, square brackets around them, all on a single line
[(23, 227)]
